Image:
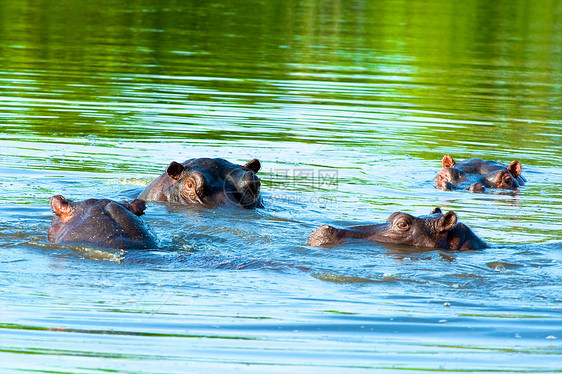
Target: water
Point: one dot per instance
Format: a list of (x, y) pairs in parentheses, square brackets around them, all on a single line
[(350, 107)]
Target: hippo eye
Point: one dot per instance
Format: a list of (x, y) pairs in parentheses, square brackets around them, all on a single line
[(402, 224)]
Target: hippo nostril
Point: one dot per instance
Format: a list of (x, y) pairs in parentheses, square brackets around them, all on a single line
[(255, 185), (250, 182), (243, 188)]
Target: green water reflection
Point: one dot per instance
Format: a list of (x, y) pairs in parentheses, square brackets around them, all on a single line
[(112, 69)]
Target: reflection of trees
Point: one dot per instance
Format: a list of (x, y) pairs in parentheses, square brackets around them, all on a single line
[(472, 60)]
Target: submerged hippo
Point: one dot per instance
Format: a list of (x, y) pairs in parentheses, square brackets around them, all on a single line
[(477, 175), (99, 222), (436, 230), (209, 182)]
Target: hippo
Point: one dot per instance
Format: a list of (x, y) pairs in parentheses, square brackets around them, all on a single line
[(209, 182), (100, 223), (437, 230), (477, 175)]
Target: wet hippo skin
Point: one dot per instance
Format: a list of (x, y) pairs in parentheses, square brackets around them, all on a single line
[(477, 175), (100, 223), (436, 230), (208, 182)]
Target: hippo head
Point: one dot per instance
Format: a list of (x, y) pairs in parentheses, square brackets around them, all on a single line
[(436, 230), (506, 179), (423, 231), (501, 179), (453, 178), (213, 182), (101, 222), (449, 177)]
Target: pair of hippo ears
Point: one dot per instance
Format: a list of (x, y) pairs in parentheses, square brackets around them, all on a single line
[(514, 167), (175, 168), (63, 207)]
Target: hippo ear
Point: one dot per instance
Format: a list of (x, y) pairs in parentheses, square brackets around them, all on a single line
[(137, 207), (436, 210), (253, 165), (174, 170), (59, 205), (448, 162), (447, 222), (515, 168)]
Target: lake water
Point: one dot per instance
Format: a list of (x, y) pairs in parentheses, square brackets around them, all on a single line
[(350, 106)]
